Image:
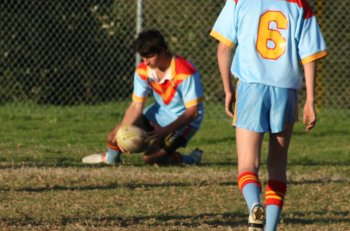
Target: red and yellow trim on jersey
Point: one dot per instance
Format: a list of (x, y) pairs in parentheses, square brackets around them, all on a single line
[(141, 70), (314, 57), (139, 99), (275, 192), (248, 178), (222, 39), (194, 102), (308, 12), (180, 70)]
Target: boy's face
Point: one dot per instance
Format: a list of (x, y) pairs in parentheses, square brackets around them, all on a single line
[(153, 60)]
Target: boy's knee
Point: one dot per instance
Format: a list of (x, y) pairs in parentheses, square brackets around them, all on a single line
[(111, 137), (155, 156)]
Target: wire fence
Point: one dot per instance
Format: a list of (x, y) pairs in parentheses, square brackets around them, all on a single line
[(77, 52)]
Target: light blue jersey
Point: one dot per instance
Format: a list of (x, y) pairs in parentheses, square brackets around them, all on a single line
[(181, 90), (271, 38)]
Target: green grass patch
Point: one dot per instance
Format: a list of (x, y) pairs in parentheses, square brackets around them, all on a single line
[(44, 185)]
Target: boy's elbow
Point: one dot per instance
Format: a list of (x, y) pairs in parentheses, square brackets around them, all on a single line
[(194, 113), (223, 48)]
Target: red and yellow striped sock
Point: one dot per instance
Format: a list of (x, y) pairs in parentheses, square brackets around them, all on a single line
[(113, 147), (113, 153), (275, 192), (248, 178), (250, 187)]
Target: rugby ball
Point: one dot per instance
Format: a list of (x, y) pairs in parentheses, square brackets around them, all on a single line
[(131, 138)]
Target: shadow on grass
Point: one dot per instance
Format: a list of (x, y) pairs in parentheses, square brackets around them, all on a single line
[(343, 133), (212, 219), (95, 187), (228, 219), (233, 164), (14, 166), (132, 186), (209, 141), (317, 217)]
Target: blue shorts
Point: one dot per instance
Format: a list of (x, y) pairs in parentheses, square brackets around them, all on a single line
[(158, 115), (263, 108)]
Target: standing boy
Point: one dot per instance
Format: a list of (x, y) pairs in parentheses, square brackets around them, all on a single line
[(271, 38)]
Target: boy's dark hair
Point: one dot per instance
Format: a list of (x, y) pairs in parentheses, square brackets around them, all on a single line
[(150, 42)]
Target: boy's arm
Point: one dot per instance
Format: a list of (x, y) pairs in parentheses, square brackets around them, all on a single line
[(309, 115), (133, 113), (186, 118), (224, 62)]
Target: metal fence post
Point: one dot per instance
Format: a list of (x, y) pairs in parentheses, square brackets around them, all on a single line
[(139, 21), (320, 90)]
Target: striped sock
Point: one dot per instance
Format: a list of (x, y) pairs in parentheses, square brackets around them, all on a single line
[(275, 192), (250, 187), (113, 154)]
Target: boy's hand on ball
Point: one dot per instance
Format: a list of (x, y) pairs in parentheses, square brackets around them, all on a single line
[(157, 135)]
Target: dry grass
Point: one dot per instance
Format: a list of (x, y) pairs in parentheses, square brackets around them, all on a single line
[(165, 198)]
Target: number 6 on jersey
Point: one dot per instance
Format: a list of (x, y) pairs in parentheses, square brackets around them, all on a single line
[(270, 42)]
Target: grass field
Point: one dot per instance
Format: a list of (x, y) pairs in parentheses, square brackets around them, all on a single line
[(44, 186)]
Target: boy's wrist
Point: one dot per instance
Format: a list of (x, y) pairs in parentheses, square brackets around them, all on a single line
[(310, 101)]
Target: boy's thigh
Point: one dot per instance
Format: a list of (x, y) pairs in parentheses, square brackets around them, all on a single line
[(174, 140)]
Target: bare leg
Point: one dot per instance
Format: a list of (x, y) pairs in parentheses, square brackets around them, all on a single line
[(278, 154), (248, 150), (277, 182), (157, 155)]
